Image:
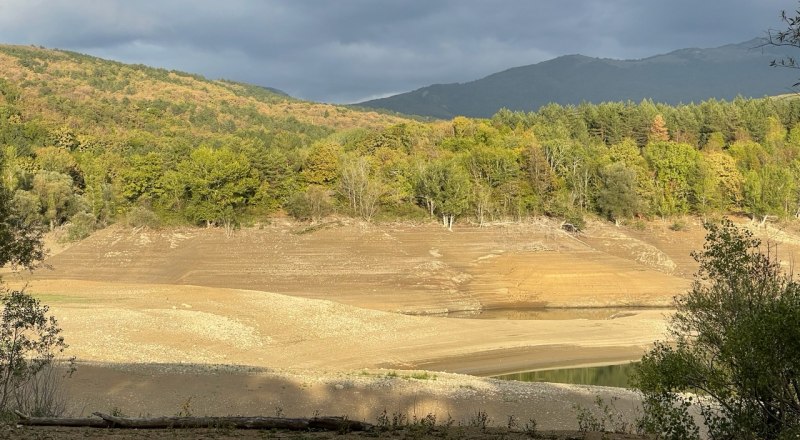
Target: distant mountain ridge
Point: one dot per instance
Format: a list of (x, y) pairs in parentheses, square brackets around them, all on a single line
[(681, 76)]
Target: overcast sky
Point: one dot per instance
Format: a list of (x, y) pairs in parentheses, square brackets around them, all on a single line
[(346, 51)]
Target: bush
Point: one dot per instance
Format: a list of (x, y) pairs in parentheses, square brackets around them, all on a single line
[(604, 417), (313, 204), (29, 342), (573, 222), (140, 216), (403, 211), (678, 225), (81, 226), (667, 416), (735, 340), (42, 395)]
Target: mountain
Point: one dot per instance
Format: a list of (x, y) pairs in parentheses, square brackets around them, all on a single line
[(682, 76)]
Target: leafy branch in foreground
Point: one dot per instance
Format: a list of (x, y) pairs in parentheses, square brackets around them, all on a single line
[(29, 343), (735, 344)]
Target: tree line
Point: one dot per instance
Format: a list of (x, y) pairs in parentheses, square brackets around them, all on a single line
[(614, 160)]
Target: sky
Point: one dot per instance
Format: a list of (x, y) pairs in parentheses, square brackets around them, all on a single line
[(345, 51)]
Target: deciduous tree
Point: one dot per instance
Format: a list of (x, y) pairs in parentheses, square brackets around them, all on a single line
[(617, 195), (56, 195), (444, 187), (20, 240), (675, 169), (322, 165), (734, 338), (217, 185), (360, 186)]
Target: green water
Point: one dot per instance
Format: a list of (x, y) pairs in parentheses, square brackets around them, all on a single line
[(608, 375)]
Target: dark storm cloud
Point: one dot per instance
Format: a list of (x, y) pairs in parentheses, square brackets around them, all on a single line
[(349, 50)]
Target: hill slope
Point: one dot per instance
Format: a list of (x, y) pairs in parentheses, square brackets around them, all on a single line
[(100, 97), (682, 76)]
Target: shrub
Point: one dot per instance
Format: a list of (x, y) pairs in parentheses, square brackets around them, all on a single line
[(604, 417), (573, 222), (667, 416), (735, 340), (313, 204), (81, 226), (42, 395), (140, 216), (678, 225), (29, 342)]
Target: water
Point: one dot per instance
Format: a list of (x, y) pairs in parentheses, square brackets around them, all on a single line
[(598, 313), (607, 375)]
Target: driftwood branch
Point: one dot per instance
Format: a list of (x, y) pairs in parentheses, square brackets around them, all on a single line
[(109, 421)]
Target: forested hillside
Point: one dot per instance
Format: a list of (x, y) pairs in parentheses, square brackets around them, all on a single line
[(88, 142)]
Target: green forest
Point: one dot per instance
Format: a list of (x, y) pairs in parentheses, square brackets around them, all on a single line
[(88, 142)]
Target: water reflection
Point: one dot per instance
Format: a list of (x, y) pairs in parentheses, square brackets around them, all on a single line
[(607, 375)]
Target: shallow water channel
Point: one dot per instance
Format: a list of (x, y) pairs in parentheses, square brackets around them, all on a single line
[(606, 375), (551, 313)]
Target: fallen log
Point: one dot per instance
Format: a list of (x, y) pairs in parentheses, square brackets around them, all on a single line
[(109, 421), (82, 422), (337, 424), (205, 422), (318, 423)]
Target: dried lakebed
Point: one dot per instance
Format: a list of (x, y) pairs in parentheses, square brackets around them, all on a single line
[(272, 318)]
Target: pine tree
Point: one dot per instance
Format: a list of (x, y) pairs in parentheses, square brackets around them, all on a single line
[(658, 129)]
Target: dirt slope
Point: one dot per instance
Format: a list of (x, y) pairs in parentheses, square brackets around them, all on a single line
[(400, 267)]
